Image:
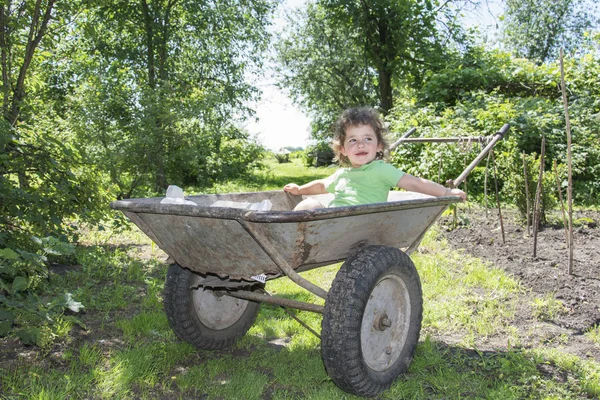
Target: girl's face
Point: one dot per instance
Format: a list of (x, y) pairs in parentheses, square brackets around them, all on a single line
[(361, 145)]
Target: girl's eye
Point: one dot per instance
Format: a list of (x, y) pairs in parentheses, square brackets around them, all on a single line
[(368, 139), (351, 140)]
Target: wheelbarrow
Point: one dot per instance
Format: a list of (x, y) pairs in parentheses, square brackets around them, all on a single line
[(221, 258)]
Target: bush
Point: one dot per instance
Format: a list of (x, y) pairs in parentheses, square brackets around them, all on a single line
[(282, 157)]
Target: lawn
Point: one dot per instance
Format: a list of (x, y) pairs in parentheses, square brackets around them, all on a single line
[(128, 351)]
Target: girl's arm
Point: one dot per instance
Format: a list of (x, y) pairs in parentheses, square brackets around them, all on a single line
[(425, 186), (314, 187)]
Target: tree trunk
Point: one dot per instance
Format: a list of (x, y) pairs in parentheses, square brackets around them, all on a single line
[(37, 31), (148, 24), (385, 90)]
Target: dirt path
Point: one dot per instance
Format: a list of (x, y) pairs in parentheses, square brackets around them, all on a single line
[(544, 275)]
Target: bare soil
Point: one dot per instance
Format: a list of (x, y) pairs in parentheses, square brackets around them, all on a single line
[(543, 275), (480, 236)]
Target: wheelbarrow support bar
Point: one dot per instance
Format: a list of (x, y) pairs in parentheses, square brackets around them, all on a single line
[(280, 301), (272, 252)]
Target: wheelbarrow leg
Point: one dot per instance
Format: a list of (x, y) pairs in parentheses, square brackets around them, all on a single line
[(272, 252)]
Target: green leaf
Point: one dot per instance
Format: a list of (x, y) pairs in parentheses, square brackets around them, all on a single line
[(19, 284), (29, 335), (5, 327), (8, 254), (6, 315)]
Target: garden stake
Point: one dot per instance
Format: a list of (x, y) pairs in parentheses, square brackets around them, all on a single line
[(570, 179), (485, 199), (526, 192), (538, 198), (498, 197), (562, 204)]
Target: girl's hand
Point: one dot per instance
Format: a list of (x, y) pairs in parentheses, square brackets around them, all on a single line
[(456, 192), (292, 188)]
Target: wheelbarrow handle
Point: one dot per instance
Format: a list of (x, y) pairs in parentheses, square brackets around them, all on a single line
[(397, 142), (497, 136)]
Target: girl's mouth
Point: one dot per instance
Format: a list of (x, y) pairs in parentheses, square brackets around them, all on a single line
[(362, 153)]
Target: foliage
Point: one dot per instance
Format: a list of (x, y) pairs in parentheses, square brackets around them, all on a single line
[(534, 110), (161, 86), (318, 155), (537, 29), (282, 157), (397, 38), (33, 320), (44, 180), (323, 68), (515, 190)]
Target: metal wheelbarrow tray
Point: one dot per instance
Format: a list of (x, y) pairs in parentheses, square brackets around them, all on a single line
[(222, 257)]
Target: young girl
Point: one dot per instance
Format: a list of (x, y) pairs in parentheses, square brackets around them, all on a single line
[(359, 145)]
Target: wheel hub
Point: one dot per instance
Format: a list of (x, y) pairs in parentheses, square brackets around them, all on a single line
[(385, 323), (382, 322)]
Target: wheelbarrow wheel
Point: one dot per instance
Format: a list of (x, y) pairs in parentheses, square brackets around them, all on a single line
[(372, 320), (201, 317)]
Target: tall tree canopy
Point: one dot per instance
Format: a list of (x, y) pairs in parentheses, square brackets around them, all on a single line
[(398, 37), (340, 53), (107, 98), (162, 85), (536, 29), (323, 68)]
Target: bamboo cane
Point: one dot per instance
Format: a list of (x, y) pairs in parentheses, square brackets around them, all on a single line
[(498, 198), (526, 193), (562, 204), (569, 163), (538, 198), (485, 199)]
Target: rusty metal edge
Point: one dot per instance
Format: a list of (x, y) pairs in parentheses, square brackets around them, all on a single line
[(133, 205)]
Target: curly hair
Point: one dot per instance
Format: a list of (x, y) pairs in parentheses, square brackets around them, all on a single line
[(358, 116)]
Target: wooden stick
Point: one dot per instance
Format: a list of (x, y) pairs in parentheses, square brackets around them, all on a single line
[(538, 198), (569, 163), (526, 192), (485, 199), (465, 183), (498, 198), (562, 204), (481, 139), (495, 138)]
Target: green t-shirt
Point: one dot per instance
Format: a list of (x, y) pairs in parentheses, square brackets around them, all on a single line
[(369, 183)]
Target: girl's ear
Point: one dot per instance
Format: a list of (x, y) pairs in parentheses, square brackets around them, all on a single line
[(343, 151)]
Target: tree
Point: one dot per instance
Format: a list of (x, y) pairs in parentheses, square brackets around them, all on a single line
[(398, 38), (159, 76), (323, 68), (536, 29), (42, 181)]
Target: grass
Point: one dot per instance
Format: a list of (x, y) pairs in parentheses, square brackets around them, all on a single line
[(129, 351)]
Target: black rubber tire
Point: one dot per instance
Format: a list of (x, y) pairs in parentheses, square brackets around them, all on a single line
[(376, 283), (201, 318)]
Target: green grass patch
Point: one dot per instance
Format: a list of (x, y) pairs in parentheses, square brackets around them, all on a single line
[(547, 308), (594, 334), (130, 352), (462, 293), (273, 177)]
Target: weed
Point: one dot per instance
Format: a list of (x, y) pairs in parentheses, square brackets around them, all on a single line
[(547, 308), (594, 334)]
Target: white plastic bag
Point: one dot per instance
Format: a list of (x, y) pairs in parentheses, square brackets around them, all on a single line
[(264, 205), (175, 196)]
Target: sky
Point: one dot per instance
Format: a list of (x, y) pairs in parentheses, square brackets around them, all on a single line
[(279, 123)]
